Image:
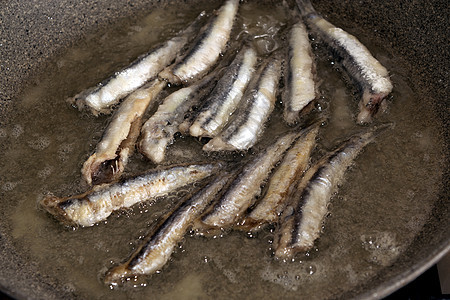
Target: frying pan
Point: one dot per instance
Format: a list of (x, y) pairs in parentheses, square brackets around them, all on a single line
[(32, 32)]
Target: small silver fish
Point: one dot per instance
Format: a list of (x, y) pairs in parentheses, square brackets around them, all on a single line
[(100, 98), (207, 49), (301, 221), (97, 204), (299, 83), (159, 130), (118, 141), (367, 71), (258, 103), (247, 186), (291, 168), (225, 97), (161, 243)]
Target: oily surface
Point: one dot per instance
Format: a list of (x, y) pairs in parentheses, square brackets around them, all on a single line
[(385, 208)]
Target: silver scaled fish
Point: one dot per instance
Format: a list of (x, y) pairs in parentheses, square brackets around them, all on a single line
[(99, 203), (301, 221), (207, 48), (160, 244), (370, 75), (100, 98), (108, 161)]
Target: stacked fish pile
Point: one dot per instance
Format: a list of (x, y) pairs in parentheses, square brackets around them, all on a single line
[(234, 93)]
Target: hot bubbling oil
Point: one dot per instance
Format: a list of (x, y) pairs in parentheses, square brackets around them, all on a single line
[(375, 215)]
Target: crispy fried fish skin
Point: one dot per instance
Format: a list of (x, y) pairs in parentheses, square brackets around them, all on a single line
[(367, 71), (247, 186), (160, 244), (258, 103), (96, 205), (299, 82), (225, 97), (301, 221), (118, 142), (158, 131), (291, 168), (207, 49), (99, 99)]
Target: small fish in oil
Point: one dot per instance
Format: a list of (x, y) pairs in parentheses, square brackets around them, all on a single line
[(99, 203), (258, 103), (369, 74), (207, 48), (302, 218), (291, 169), (160, 244), (100, 98), (247, 186), (299, 83), (119, 140), (158, 131), (225, 97)]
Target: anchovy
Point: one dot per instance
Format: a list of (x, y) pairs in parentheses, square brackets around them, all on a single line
[(97, 204), (207, 50), (99, 99), (159, 130), (301, 220), (161, 243), (247, 186), (367, 71), (255, 109), (292, 167), (300, 83), (225, 97), (119, 139)]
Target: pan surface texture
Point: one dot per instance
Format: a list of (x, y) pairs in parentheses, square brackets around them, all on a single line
[(383, 231)]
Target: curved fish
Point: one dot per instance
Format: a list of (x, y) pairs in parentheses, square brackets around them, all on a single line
[(301, 221), (159, 130), (97, 204), (299, 83), (225, 97), (292, 167), (371, 76), (100, 98), (118, 141), (247, 186), (255, 109), (207, 49), (160, 244)]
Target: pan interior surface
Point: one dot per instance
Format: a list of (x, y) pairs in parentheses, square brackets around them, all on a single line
[(382, 224)]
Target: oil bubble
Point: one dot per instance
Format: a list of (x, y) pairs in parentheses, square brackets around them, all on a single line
[(40, 143), (17, 131), (311, 269)]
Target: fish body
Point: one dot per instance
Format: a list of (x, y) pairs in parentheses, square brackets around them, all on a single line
[(96, 205), (158, 131), (366, 70), (301, 221), (290, 170), (300, 83), (99, 99), (225, 97), (247, 185), (118, 142), (258, 103), (207, 49), (161, 243)]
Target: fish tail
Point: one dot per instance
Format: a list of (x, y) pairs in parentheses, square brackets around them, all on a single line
[(305, 7)]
